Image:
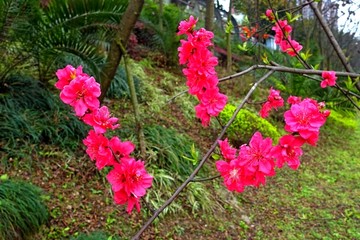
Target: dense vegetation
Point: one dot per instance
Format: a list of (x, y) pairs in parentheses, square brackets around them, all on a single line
[(41, 140)]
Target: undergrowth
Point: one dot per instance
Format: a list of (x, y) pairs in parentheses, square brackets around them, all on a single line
[(22, 210), (31, 114)]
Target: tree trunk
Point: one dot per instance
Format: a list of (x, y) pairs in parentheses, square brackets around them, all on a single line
[(126, 25), (161, 12), (209, 16), (228, 40)]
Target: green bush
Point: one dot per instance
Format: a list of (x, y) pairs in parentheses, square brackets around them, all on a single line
[(31, 114), (345, 120), (246, 124), (22, 210)]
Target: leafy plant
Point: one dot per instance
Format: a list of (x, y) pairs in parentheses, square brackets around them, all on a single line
[(165, 40), (246, 124), (29, 113), (22, 210)]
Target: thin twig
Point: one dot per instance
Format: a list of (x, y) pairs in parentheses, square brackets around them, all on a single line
[(202, 162), (205, 179)]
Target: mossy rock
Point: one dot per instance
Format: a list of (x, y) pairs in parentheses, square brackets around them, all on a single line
[(246, 124), (22, 210)]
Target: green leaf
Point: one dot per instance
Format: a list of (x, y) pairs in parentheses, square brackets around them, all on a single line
[(288, 15), (243, 47), (215, 156), (4, 177)]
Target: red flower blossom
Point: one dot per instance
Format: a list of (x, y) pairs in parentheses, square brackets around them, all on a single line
[(186, 27), (100, 119), (288, 150), (227, 151), (202, 114), (82, 94), (306, 119), (121, 197), (292, 49), (280, 28), (98, 149), (129, 181), (200, 73), (329, 79), (257, 160), (121, 149), (214, 101), (293, 99), (232, 174), (270, 15), (67, 74), (274, 101)]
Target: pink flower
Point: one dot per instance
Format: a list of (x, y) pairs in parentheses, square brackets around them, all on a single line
[(203, 62), (129, 181), (293, 100), (202, 114), (228, 152), (198, 82), (121, 197), (274, 101), (265, 109), (202, 38), (306, 119), (186, 27), (288, 150), (282, 30), (98, 149), (67, 74), (82, 94), (214, 101), (257, 160), (329, 79), (291, 48), (200, 72), (100, 119), (232, 174), (121, 149), (185, 51), (270, 15)]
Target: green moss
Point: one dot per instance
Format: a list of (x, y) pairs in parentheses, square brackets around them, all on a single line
[(246, 124)]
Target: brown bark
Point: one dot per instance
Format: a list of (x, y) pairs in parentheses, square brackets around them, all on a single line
[(209, 15), (228, 41), (126, 25)]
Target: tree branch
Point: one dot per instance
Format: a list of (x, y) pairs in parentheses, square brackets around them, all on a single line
[(332, 40)]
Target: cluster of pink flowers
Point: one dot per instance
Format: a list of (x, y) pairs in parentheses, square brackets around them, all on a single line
[(329, 79), (128, 178), (274, 100), (282, 35), (201, 76), (251, 164)]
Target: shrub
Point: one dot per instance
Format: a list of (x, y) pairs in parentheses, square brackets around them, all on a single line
[(246, 124), (21, 209), (31, 114), (341, 119)]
